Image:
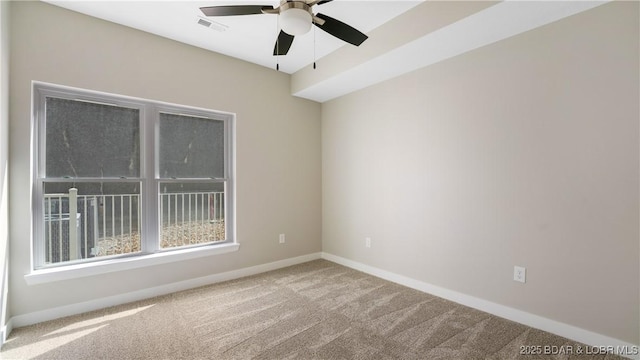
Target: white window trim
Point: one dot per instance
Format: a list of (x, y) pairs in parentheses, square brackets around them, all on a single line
[(132, 261), (75, 271)]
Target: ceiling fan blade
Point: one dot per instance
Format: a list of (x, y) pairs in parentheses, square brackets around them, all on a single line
[(283, 44), (231, 10), (341, 30), (324, 2)]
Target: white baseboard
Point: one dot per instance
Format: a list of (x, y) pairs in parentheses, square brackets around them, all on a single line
[(5, 331), (78, 308), (519, 316)]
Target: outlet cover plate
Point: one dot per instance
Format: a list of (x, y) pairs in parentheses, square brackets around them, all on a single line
[(519, 274)]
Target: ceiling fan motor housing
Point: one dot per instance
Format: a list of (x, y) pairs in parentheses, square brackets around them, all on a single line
[(295, 18)]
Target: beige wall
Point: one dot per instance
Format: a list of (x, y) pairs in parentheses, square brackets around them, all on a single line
[(524, 152), (278, 142), (4, 157)]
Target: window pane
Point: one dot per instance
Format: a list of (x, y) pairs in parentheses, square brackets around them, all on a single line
[(91, 140), (191, 147), (106, 221), (192, 213)]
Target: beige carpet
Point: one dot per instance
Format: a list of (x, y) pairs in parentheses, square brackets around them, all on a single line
[(316, 310)]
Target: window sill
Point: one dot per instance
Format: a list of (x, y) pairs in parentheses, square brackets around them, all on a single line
[(102, 267)]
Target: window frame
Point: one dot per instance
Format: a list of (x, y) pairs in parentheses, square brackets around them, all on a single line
[(149, 180), (157, 180)]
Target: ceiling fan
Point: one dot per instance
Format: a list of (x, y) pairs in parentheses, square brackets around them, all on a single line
[(295, 18)]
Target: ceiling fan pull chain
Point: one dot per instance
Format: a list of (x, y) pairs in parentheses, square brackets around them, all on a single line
[(278, 46), (314, 48)]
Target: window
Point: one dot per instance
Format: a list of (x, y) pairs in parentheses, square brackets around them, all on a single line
[(116, 177)]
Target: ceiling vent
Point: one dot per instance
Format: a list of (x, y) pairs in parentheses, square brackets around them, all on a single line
[(213, 25)]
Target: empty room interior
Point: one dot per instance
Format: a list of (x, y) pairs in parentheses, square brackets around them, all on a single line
[(486, 154)]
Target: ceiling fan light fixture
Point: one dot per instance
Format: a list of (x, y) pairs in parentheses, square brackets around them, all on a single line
[(296, 18)]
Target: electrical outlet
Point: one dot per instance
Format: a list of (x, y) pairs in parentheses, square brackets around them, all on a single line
[(282, 239), (519, 274), (367, 242)]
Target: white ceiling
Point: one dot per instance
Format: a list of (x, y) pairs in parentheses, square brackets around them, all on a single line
[(249, 37), (431, 34)]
